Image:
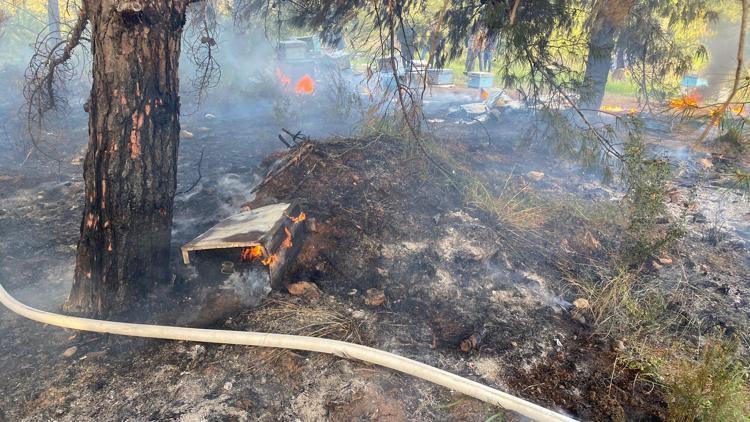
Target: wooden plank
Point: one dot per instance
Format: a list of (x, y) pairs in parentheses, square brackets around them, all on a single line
[(246, 229)]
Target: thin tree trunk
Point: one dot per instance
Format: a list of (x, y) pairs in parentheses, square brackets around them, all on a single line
[(610, 17), (53, 19), (131, 163)]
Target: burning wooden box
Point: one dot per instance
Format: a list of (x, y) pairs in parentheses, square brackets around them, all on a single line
[(312, 42), (264, 241), (480, 79), (293, 50)]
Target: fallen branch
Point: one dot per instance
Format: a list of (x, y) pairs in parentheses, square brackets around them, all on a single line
[(200, 161)]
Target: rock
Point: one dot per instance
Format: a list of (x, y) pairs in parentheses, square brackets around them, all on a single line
[(304, 288), (656, 265), (706, 163), (581, 304), (474, 109), (228, 386), (184, 134), (591, 241), (536, 176), (665, 260), (674, 196), (203, 129), (470, 343), (618, 346), (70, 351), (209, 116), (312, 225), (374, 297)]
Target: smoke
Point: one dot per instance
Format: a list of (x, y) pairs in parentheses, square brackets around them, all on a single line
[(722, 57)]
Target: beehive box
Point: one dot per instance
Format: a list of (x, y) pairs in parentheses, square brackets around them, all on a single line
[(480, 79)]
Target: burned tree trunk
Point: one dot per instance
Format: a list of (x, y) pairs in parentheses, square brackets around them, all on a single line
[(131, 163), (609, 18)]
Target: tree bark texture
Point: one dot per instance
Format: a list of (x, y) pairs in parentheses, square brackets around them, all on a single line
[(610, 16), (131, 163)]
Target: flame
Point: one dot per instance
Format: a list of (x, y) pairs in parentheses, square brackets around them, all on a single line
[(270, 260), (288, 241), (252, 253), (484, 94), (285, 80), (306, 85), (298, 219), (687, 101), (611, 108)]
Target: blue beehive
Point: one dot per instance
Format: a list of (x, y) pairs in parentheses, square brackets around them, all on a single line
[(480, 79), (693, 82)]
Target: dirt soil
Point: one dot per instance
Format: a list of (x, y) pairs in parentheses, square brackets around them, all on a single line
[(400, 262)]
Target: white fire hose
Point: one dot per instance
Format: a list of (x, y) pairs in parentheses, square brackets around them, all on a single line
[(282, 341)]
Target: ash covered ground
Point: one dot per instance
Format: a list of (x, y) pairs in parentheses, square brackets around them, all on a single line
[(398, 259)]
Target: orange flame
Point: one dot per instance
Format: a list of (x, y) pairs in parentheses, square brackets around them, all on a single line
[(298, 219), (285, 80), (270, 260), (306, 85), (611, 108), (252, 253), (687, 101), (484, 94), (288, 241)]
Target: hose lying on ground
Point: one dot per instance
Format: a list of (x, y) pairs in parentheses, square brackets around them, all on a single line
[(283, 341)]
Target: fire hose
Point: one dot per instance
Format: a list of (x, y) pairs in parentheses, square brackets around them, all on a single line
[(283, 341)]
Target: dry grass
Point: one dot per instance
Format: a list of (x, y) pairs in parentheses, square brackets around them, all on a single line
[(712, 388), (513, 206), (297, 317)]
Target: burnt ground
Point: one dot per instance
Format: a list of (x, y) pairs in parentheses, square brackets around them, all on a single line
[(385, 219)]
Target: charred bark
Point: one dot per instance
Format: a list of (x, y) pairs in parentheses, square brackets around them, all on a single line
[(609, 18), (131, 162)]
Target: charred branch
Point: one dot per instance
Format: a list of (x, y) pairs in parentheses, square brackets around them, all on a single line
[(48, 69)]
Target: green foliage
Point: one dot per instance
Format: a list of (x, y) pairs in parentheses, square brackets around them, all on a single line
[(713, 389), (645, 203), (733, 131)]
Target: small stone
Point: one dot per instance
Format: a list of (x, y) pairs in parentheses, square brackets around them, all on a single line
[(618, 346), (591, 241), (312, 225), (581, 304), (374, 297), (228, 386), (536, 176), (203, 129), (70, 351), (209, 116), (706, 163), (303, 288), (184, 134), (656, 265), (665, 260)]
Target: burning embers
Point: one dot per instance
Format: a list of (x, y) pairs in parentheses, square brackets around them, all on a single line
[(685, 102), (304, 86), (258, 252)]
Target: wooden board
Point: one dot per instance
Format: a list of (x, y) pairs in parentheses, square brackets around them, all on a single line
[(246, 229)]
